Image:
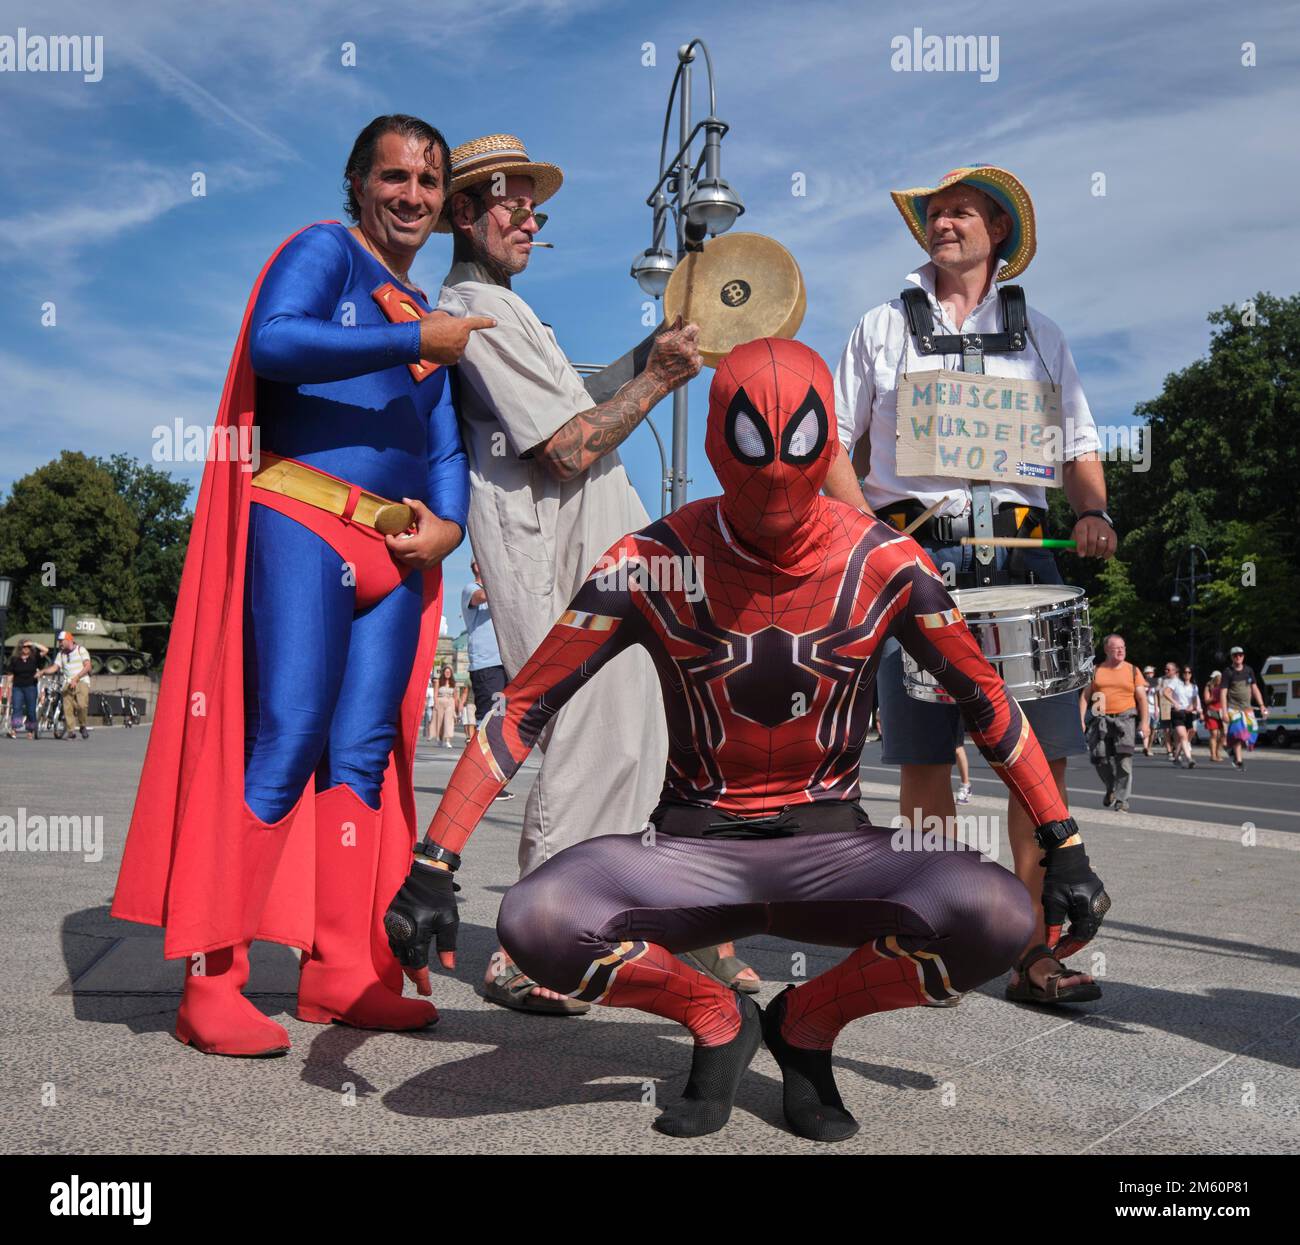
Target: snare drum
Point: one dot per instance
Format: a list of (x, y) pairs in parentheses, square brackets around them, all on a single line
[(1038, 637)]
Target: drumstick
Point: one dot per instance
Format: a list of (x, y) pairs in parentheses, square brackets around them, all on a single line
[(1018, 542), (921, 518)]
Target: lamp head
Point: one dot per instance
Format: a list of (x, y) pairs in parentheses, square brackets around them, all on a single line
[(714, 205), (652, 268)]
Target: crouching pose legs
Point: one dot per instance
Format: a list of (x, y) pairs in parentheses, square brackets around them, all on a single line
[(602, 920)]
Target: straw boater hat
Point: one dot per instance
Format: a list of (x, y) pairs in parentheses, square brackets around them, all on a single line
[(1003, 188), (477, 160)]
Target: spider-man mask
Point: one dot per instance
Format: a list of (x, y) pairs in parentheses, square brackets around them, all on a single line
[(771, 439)]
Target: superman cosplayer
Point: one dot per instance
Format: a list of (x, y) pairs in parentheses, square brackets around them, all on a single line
[(276, 797), (759, 830)]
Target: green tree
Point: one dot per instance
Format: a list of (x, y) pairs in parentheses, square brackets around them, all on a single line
[(1225, 475), (67, 536), (158, 501), (1116, 607), (1254, 592)]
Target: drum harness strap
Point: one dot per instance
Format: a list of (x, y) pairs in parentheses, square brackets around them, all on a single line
[(972, 347)]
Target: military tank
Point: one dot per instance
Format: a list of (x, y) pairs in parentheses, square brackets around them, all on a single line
[(103, 640)]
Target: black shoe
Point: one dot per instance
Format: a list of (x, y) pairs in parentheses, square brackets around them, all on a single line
[(1191, 764), (505, 795), (1108, 799), (716, 1072), (1120, 806), (811, 1102), (85, 734)]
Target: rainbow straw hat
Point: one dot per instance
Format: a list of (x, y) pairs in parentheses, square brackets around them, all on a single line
[(1004, 188)]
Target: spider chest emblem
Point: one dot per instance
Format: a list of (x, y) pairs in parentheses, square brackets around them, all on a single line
[(771, 688)]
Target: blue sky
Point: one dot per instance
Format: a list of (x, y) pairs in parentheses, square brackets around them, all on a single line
[(149, 282)]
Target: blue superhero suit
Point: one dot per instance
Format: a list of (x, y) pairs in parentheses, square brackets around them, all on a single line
[(327, 659)]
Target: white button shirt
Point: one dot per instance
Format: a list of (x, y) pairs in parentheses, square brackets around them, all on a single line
[(866, 394)]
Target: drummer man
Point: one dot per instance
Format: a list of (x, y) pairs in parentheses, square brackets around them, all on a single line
[(976, 219)]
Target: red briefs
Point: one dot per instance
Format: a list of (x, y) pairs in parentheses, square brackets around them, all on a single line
[(360, 547)]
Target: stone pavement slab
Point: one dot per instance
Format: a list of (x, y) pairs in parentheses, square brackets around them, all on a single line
[(1194, 1048)]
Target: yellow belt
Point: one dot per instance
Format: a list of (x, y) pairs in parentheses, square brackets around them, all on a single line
[(306, 484), (900, 520)]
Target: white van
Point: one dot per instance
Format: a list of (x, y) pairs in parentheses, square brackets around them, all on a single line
[(1281, 692)]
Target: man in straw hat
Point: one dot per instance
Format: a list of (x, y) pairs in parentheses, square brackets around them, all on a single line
[(548, 496), (978, 219)]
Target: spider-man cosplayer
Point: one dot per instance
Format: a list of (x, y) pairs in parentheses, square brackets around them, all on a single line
[(276, 798), (759, 830)]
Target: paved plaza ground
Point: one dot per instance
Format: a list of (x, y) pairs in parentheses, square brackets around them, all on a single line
[(1193, 1050)]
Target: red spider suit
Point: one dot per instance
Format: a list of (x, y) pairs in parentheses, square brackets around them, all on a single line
[(765, 611)]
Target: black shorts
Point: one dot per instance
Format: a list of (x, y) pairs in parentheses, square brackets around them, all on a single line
[(487, 685), (1182, 717)]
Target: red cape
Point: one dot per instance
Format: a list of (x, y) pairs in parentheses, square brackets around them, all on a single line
[(197, 860)]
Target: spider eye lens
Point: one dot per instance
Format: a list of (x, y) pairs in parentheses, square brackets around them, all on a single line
[(749, 441)]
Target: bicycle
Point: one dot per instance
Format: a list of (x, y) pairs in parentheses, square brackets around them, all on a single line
[(126, 710), (49, 712)]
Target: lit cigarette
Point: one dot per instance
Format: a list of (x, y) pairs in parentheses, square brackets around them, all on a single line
[(551, 245)]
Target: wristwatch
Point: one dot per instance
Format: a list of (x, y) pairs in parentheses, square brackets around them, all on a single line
[(1053, 833), (1098, 514), (435, 852)]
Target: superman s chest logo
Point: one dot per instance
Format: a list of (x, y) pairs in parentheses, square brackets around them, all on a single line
[(400, 308)]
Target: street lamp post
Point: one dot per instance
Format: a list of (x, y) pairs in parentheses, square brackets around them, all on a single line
[(57, 614), (701, 204), (1189, 582)]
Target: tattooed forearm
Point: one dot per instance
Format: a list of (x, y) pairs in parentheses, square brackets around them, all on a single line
[(673, 359), (589, 435)]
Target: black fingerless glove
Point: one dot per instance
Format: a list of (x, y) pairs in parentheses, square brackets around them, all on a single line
[(1071, 889), (423, 911)]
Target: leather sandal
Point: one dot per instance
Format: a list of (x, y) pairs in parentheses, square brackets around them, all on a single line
[(512, 987), (1051, 992), (723, 968)]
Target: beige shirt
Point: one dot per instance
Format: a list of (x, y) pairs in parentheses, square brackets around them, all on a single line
[(535, 537), (74, 663)]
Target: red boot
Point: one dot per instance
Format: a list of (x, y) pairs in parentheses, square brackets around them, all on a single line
[(214, 1016), (340, 980)]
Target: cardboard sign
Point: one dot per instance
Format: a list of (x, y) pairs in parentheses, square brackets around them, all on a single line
[(400, 309), (976, 427)]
